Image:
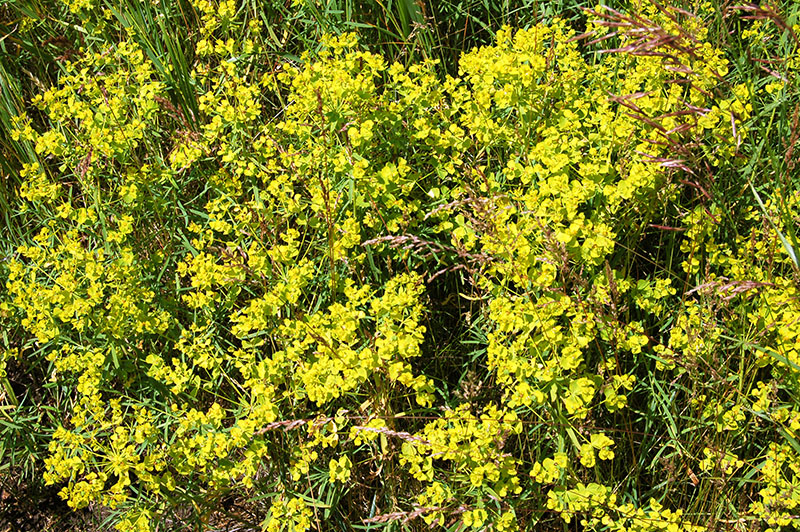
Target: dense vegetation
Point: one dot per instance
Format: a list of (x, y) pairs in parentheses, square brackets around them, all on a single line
[(364, 265)]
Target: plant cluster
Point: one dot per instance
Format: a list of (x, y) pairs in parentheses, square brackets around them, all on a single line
[(556, 286)]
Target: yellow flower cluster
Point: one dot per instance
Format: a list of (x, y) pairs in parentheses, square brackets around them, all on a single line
[(238, 299)]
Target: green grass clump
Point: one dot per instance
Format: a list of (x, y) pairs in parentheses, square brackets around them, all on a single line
[(363, 265)]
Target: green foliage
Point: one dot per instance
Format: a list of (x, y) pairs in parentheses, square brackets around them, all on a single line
[(262, 269)]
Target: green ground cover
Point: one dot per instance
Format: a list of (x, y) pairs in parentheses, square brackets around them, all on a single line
[(297, 265)]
